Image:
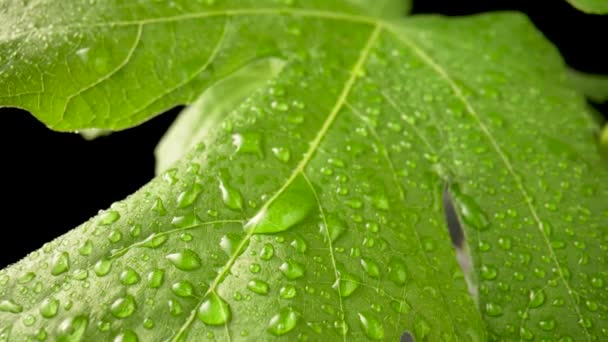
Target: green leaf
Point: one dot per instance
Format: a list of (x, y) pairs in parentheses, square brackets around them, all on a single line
[(313, 208), (595, 87), (591, 6)]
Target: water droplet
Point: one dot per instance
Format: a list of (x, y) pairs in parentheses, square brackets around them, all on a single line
[(102, 267), (488, 272), (49, 307), (258, 286), (72, 329), (175, 308), (187, 221), (61, 263), (183, 288), (156, 278), (335, 227), (230, 243), (187, 198), (400, 306), (371, 326), (526, 334), (267, 252), (7, 305), (299, 244), (397, 272), (290, 207), (493, 309), (248, 143), (283, 322), (231, 196), (148, 323), (126, 336), (370, 267), (108, 217), (547, 325), (123, 307), (214, 310), (346, 284), (154, 241), (159, 207), (504, 243), (129, 276), (341, 327), (471, 212), (26, 277), (185, 260), (288, 292), (255, 268), (537, 298), (86, 249), (292, 270), (115, 236), (281, 153)]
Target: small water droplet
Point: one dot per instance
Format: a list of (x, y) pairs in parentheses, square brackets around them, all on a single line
[(186, 198), (537, 298), (156, 278), (183, 288), (346, 284), (230, 243), (290, 207), (335, 227), (175, 308), (123, 307), (86, 249), (299, 244), (187, 221), (185, 260), (281, 153), (488, 272), (283, 322), (547, 325), (258, 286), (61, 263), (371, 326), (214, 310), (370, 267), (292, 270)]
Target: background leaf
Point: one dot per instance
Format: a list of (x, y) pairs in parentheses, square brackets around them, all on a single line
[(315, 205), (595, 87), (591, 6)]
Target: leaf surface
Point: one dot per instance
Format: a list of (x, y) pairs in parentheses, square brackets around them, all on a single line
[(591, 6), (313, 207), (595, 87)]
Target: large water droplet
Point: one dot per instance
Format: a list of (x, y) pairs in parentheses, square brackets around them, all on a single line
[(397, 272), (286, 210), (108, 217), (102, 267), (471, 212), (72, 329), (183, 288), (214, 310), (231, 196), (123, 307), (267, 252), (537, 298), (248, 143), (7, 305), (371, 326), (60, 263), (187, 198), (283, 322), (230, 243), (49, 307), (258, 286), (126, 336), (185, 260), (346, 284), (292, 269), (156, 278)]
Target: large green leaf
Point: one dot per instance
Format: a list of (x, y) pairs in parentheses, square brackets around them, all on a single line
[(591, 6), (312, 208)]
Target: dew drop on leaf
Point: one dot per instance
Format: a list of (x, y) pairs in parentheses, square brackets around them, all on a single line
[(371, 326), (7, 305), (258, 286), (126, 336), (123, 307), (186, 198), (156, 278), (346, 284), (185, 260), (154, 240), (183, 288), (370, 267), (231, 196), (397, 272), (493, 309), (129, 276), (49, 307), (267, 252), (286, 210), (248, 143), (72, 329), (288, 292), (214, 310), (471, 212), (537, 298), (108, 217), (292, 270), (281, 153), (60, 263), (102, 267), (283, 322)]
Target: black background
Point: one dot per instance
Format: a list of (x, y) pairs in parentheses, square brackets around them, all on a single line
[(51, 182)]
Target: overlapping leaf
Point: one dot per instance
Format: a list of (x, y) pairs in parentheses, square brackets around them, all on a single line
[(311, 209)]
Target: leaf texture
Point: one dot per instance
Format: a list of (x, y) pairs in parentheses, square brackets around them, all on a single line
[(591, 6), (312, 209)]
